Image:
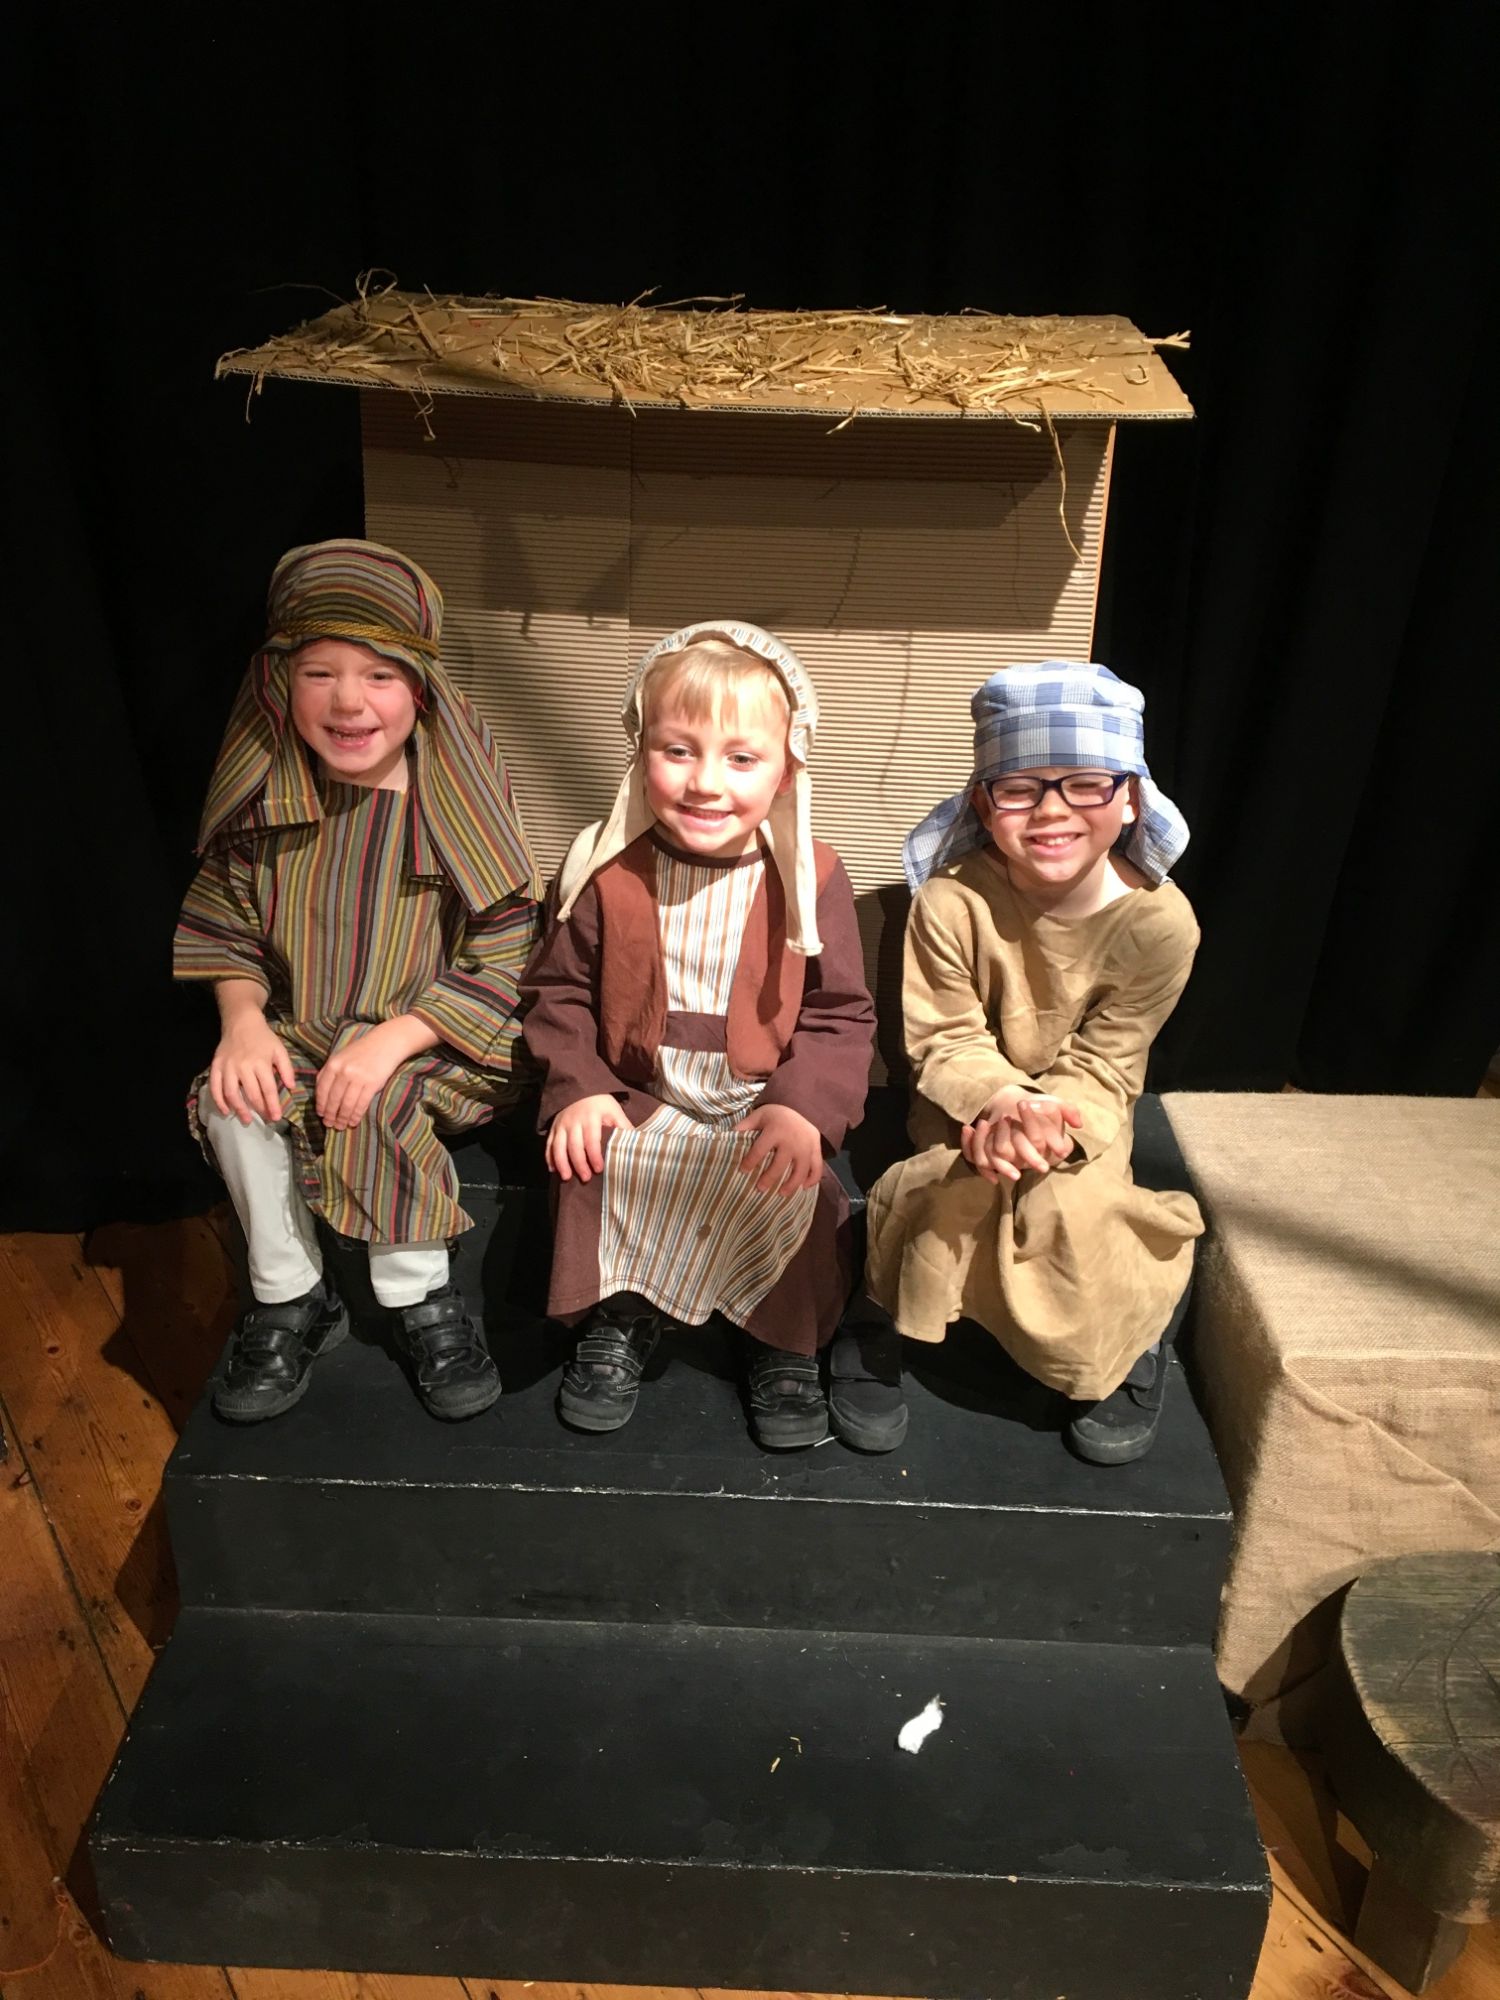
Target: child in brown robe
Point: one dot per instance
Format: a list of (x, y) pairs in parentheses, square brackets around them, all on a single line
[(699, 1007)]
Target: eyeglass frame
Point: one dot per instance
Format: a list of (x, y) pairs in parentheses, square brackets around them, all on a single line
[(1055, 785)]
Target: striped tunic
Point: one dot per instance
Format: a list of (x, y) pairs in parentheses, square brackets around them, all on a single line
[(329, 918), (680, 1224)]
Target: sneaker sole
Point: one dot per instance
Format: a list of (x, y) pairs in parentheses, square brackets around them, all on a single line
[(257, 1413), (472, 1405), (871, 1437), (1106, 1453), (584, 1417), (791, 1436)]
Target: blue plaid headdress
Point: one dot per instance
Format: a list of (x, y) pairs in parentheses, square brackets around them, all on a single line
[(1061, 712)]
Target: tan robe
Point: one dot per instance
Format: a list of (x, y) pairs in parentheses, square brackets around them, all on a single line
[(1075, 1272)]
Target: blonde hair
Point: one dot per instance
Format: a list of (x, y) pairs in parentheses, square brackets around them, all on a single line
[(712, 679)]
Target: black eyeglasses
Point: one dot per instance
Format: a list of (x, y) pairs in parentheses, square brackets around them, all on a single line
[(1078, 788)]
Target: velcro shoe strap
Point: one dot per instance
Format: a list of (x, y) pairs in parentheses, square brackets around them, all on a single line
[(275, 1329), (446, 1309), (773, 1361), (614, 1349)]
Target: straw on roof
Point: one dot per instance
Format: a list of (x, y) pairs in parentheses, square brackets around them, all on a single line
[(715, 354)]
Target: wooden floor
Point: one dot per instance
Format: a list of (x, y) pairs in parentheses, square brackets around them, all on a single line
[(104, 1346)]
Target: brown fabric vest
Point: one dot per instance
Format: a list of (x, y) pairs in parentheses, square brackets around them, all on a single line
[(766, 996)]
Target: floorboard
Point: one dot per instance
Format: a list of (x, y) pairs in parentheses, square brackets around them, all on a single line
[(63, 1717), (95, 1437)]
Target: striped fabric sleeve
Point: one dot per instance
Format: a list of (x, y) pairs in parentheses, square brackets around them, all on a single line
[(1101, 1067), (220, 933), (472, 1005), (957, 1064)]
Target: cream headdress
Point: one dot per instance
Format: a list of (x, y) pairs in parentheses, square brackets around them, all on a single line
[(788, 830)]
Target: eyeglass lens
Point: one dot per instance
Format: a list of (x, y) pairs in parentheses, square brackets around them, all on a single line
[(1078, 788)]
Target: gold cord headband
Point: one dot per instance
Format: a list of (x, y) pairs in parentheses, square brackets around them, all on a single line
[(374, 635)]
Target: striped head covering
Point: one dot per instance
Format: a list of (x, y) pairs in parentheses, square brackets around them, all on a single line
[(462, 825), (787, 830), (1063, 712)]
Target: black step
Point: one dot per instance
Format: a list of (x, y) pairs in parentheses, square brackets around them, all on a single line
[(981, 1523), (690, 1807)]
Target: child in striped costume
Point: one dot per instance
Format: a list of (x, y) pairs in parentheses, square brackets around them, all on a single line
[(364, 907), (699, 1007)]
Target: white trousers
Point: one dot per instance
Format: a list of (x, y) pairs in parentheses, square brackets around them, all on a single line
[(285, 1258)]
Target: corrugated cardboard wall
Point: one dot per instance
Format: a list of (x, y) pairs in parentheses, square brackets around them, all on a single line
[(902, 561)]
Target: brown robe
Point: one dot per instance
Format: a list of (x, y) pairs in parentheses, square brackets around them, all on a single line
[(793, 1030)]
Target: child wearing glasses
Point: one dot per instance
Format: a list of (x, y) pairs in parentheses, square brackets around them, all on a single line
[(1044, 951), (698, 1005)]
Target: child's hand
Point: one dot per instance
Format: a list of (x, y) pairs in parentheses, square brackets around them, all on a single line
[(352, 1074), (788, 1151), (1020, 1131), (575, 1143), (251, 1066)]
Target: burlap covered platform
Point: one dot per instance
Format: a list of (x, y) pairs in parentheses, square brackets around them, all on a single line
[(1348, 1343)]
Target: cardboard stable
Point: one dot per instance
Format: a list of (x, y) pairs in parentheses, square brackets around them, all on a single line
[(576, 509)]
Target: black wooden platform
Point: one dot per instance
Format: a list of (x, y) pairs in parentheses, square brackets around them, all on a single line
[(495, 1699)]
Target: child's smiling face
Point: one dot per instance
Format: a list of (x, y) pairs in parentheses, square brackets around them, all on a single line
[(712, 779), (1057, 855), (355, 710)]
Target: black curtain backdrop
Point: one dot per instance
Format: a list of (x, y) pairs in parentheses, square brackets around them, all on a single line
[(1300, 580)]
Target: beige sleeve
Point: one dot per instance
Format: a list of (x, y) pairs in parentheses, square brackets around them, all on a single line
[(956, 1061), (1101, 1067)]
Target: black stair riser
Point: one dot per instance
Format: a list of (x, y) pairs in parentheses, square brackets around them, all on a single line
[(704, 1559), (631, 1923), (688, 1806)]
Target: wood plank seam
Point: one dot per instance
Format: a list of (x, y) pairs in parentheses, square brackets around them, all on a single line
[(27, 1477)]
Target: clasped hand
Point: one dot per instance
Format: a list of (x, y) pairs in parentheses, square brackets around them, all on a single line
[(1020, 1131)]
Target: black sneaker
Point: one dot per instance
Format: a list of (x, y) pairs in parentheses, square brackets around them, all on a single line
[(271, 1352), (451, 1366), (864, 1385), (601, 1382), (788, 1409), (1123, 1426)]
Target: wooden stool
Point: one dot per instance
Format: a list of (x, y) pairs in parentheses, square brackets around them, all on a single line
[(1412, 1737)]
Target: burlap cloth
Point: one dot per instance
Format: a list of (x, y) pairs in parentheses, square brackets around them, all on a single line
[(1347, 1341)]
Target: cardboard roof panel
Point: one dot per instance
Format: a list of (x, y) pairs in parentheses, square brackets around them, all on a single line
[(1099, 368)]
